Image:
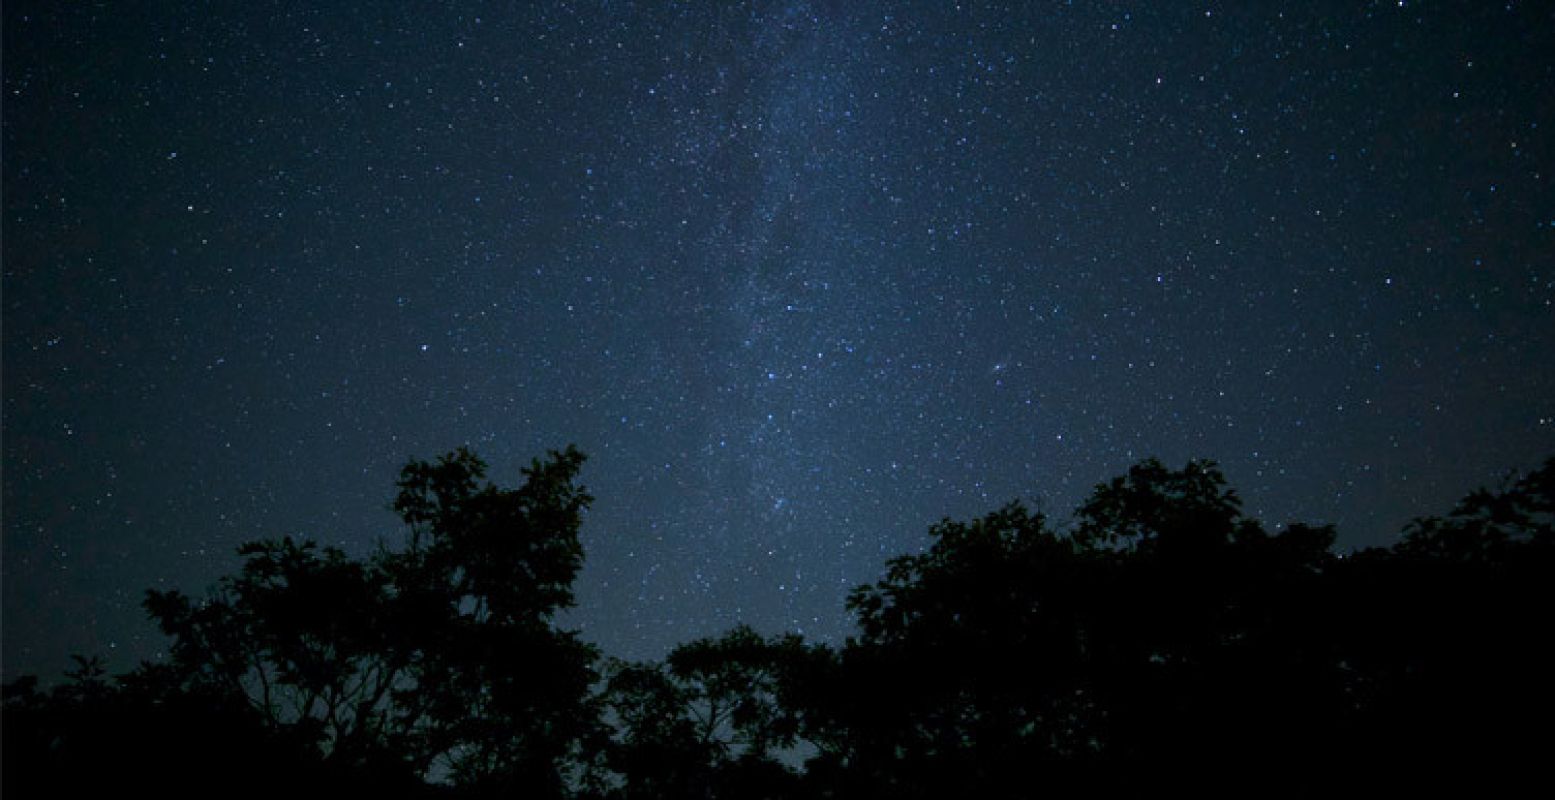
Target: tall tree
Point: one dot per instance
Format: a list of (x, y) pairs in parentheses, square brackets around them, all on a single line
[(1162, 624), (500, 696), (968, 668), (441, 655), (299, 633)]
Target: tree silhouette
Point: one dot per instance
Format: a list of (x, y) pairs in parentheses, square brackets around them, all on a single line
[(1163, 625), (145, 731), (709, 719), (299, 634), (659, 751), (1214, 630), (440, 656), (1162, 641), (1445, 644), (1167, 640), (500, 697), (967, 673)]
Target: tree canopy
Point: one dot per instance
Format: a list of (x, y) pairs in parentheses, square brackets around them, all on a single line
[(1163, 639)]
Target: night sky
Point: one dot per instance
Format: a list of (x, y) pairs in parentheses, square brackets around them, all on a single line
[(800, 278)]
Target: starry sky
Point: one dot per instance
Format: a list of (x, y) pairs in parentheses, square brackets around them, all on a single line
[(800, 278)]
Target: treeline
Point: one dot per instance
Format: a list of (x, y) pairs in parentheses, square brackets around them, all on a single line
[(1161, 641)]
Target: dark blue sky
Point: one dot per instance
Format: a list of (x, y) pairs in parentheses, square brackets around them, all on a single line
[(801, 278)]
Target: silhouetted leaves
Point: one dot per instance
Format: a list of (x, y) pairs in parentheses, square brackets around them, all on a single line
[(437, 659), (710, 718), (1163, 642), (496, 695)]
